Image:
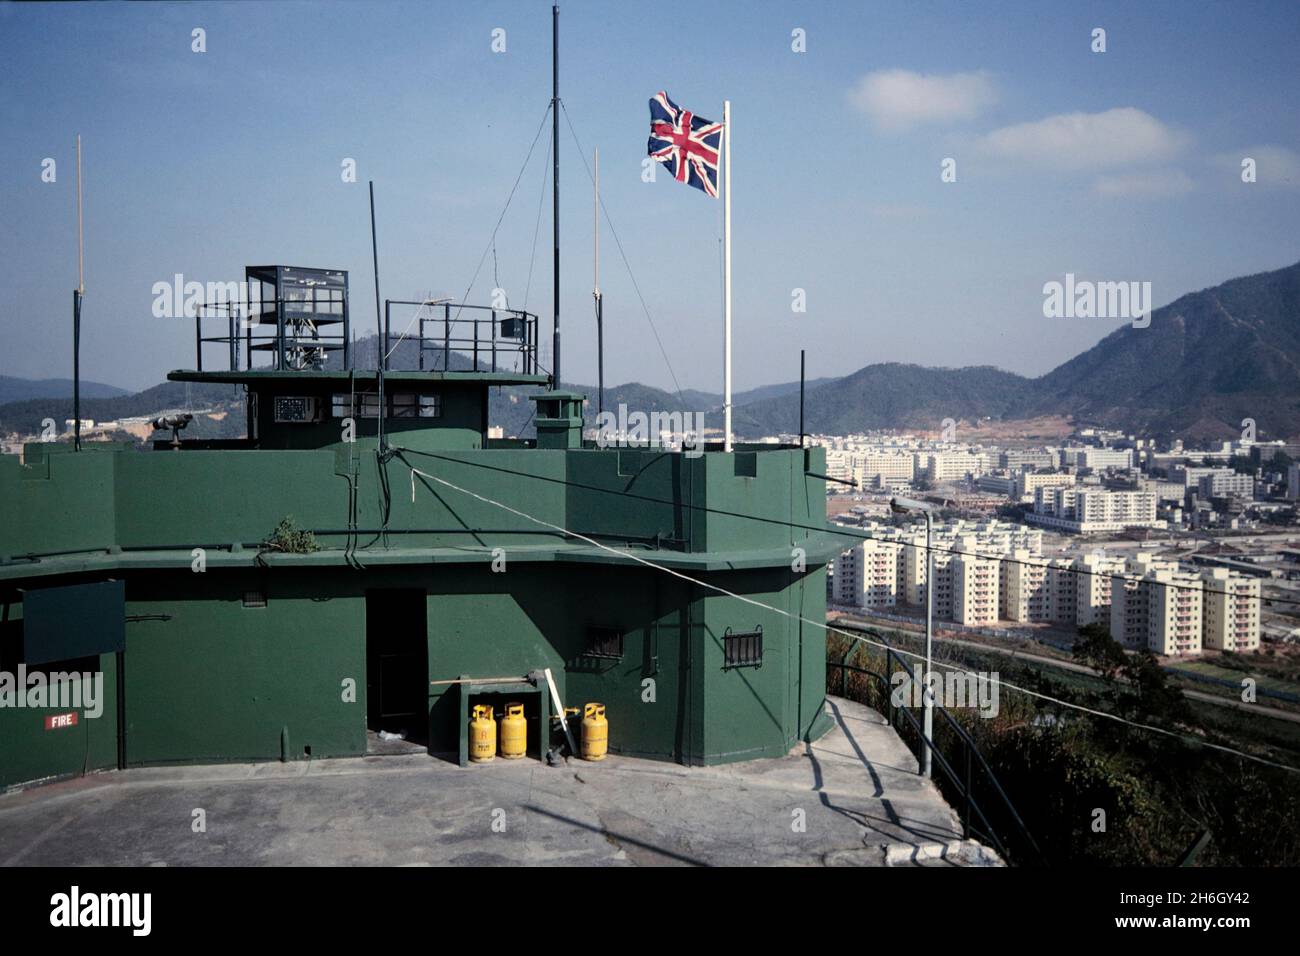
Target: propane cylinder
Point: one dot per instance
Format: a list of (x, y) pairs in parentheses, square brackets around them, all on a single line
[(595, 732), (482, 734), (514, 732)]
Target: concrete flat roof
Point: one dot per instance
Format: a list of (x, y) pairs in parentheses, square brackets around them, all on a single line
[(856, 791)]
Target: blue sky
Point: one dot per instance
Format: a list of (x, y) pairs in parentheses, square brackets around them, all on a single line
[(1112, 166)]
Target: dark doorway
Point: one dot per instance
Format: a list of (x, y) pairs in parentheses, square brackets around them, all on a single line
[(397, 668)]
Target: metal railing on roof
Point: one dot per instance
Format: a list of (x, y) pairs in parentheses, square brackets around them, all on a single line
[(962, 772), (491, 339)]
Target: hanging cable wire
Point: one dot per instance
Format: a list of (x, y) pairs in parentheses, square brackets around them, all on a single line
[(505, 209), (490, 247), (537, 226), (629, 555), (626, 264)]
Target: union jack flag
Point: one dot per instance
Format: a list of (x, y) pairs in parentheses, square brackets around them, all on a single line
[(687, 144)]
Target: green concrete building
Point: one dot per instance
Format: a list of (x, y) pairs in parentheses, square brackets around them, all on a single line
[(437, 557)]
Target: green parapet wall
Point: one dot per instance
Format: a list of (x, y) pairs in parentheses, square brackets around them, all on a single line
[(208, 679)]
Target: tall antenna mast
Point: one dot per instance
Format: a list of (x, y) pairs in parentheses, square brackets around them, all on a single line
[(595, 292), (81, 249), (555, 189), (76, 315)]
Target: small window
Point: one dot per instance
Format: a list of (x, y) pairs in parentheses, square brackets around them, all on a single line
[(254, 599), (605, 643), (743, 649), (430, 406), (366, 405), (404, 406), (746, 464)]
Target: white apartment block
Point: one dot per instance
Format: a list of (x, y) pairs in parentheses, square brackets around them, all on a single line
[(1020, 459), (1098, 459), (867, 575), (1189, 476), (1158, 606), (1094, 573), (1025, 588), (1062, 591), (996, 484), (1224, 484), (1230, 610), (952, 465), (1026, 483), (1174, 612), (1085, 510), (974, 589)]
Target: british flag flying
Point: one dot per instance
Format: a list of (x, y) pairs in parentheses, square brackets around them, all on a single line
[(687, 144)]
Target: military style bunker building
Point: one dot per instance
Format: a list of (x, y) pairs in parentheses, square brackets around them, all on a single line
[(152, 568)]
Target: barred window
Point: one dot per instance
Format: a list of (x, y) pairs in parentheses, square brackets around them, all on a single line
[(743, 648), (605, 643)]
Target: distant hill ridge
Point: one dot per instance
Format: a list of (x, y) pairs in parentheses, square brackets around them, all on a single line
[(1206, 362)]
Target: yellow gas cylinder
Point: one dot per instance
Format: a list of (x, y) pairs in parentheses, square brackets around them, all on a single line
[(482, 734), (514, 732), (595, 732)]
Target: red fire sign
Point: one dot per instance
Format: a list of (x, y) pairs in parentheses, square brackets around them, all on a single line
[(57, 721)]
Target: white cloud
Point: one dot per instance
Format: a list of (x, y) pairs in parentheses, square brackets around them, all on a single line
[(899, 99), (1274, 165), (1074, 141), (1155, 183)]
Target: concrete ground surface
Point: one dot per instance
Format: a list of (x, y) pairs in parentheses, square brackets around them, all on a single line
[(852, 798)]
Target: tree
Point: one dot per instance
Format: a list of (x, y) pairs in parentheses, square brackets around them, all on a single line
[(1096, 648)]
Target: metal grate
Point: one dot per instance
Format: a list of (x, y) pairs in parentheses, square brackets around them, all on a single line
[(743, 649), (254, 599), (604, 643)]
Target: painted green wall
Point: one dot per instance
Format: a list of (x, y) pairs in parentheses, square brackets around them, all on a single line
[(219, 681), (30, 752)]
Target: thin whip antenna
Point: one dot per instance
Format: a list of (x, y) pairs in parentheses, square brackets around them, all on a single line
[(76, 315), (81, 254), (595, 291)]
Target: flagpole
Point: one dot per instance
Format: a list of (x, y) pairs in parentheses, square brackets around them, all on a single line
[(726, 273)]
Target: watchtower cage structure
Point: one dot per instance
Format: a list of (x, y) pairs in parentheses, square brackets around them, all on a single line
[(298, 319)]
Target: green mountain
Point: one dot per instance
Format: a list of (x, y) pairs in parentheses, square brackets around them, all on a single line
[(25, 417), (1207, 361), (14, 389)]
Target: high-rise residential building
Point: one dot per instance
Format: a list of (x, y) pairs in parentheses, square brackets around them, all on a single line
[(1230, 611), (1093, 574), (974, 589), (867, 575), (1062, 598), (1025, 587), (1173, 612)]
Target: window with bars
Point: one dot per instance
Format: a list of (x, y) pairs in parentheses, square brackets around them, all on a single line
[(604, 643), (742, 648)]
